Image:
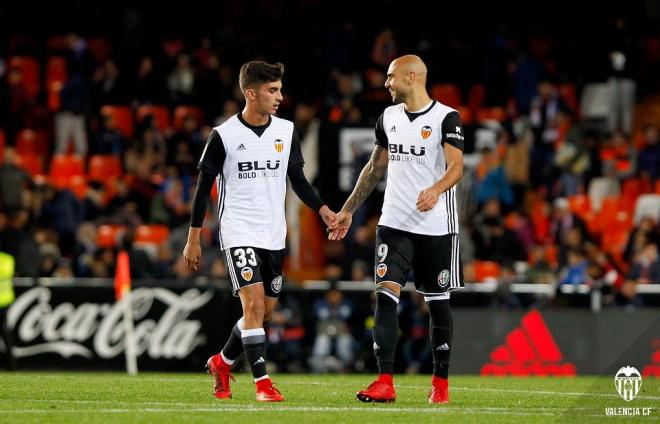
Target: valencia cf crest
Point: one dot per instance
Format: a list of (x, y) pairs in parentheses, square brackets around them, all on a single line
[(247, 273), (628, 381), (381, 269), (426, 132), (279, 145)]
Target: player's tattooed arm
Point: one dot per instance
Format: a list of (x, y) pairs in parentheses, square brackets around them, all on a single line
[(370, 176)]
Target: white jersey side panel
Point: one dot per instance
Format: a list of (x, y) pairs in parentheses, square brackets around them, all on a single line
[(252, 185), (416, 162)]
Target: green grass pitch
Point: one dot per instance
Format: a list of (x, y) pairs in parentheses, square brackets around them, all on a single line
[(45, 397)]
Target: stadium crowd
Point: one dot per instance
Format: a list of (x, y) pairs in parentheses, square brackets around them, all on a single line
[(100, 138)]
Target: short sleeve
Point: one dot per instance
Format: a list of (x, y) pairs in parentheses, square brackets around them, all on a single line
[(295, 155), (213, 156), (381, 136), (452, 131)]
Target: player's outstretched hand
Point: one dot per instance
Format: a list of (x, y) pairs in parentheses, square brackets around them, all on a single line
[(427, 199), (339, 230), (329, 217), (192, 254)]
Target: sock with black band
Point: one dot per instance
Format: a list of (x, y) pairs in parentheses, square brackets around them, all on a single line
[(442, 327), (386, 329), (234, 346), (254, 344)]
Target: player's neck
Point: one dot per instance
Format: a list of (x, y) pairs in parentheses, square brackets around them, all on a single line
[(254, 118), (417, 101)]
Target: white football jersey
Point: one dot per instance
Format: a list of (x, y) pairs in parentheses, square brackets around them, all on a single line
[(252, 182), (414, 142)]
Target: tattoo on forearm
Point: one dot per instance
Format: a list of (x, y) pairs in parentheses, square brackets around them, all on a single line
[(369, 177)]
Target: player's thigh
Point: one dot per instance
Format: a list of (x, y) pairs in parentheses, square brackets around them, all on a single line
[(437, 267), (394, 255), (271, 272), (243, 267)]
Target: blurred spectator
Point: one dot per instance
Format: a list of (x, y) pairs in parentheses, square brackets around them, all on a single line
[(109, 141), (620, 157), (645, 270), (75, 105), (148, 85), (544, 112), (491, 179), (63, 211), (333, 344), (360, 271), (230, 108), (13, 182), (181, 81), (285, 334), (107, 88), (149, 148), (564, 220), (141, 264), (575, 272), (16, 241), (415, 346), (496, 243), (647, 231), (572, 158), (540, 270), (385, 49), (649, 156)]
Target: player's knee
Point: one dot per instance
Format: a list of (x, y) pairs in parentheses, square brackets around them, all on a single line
[(389, 287)]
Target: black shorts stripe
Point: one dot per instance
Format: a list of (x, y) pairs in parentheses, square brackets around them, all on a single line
[(232, 271), (221, 207)]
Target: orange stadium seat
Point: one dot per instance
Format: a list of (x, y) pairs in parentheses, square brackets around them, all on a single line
[(31, 142), (448, 94), (491, 114), (467, 118), (160, 113), (580, 205), (32, 163), (77, 184), (122, 117), (153, 233), (103, 167), (66, 166), (56, 70), (182, 112), (108, 235), (476, 97), (486, 269), (30, 75)]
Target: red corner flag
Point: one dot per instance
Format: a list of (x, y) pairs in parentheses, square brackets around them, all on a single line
[(122, 275)]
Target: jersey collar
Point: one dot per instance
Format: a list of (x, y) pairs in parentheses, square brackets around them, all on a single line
[(258, 129), (413, 115)]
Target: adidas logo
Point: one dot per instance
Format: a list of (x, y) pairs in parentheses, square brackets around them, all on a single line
[(241, 147), (393, 129), (261, 360), (443, 346), (529, 350)]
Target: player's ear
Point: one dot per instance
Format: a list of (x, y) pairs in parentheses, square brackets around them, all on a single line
[(250, 94)]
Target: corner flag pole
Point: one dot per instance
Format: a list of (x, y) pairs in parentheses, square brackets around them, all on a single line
[(123, 295)]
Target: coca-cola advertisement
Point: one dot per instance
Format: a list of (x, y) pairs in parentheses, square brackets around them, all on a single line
[(83, 327)]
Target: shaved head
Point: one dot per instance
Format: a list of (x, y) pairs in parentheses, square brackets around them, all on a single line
[(406, 79), (411, 63)]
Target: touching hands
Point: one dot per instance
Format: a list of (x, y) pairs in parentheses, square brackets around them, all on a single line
[(343, 223)]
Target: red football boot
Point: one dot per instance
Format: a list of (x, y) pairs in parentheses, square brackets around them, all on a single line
[(381, 391), (221, 376), (440, 391), (266, 392)]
